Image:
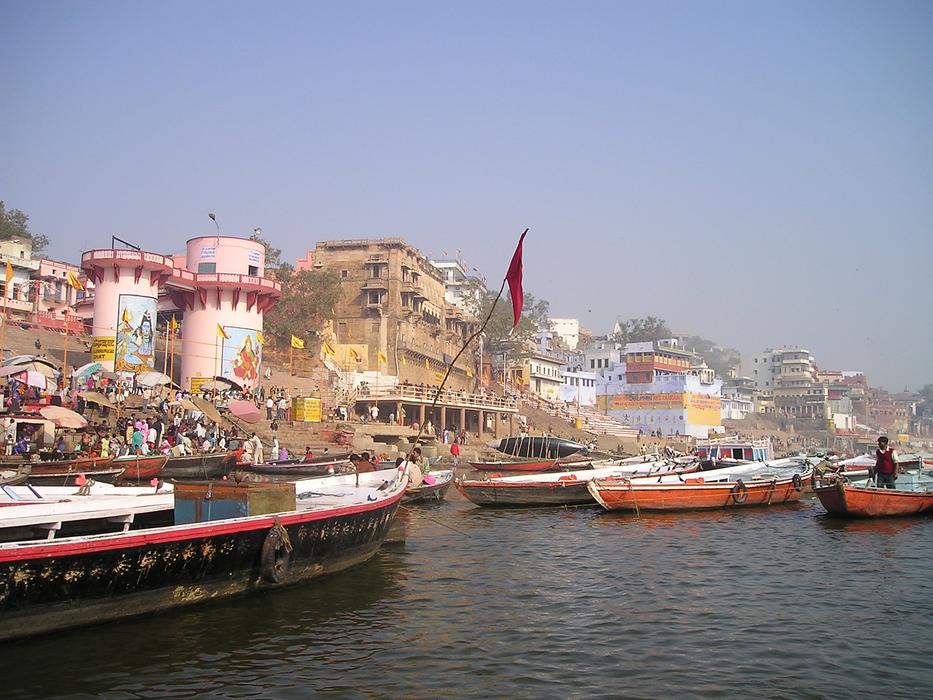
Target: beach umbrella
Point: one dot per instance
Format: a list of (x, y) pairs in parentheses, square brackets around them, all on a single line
[(63, 417), (96, 397), (11, 370), (153, 379), (207, 408), (26, 359), (88, 369), (245, 410)]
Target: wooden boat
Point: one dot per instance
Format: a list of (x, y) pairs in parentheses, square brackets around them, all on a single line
[(64, 472), (537, 465), (86, 580), (539, 446), (296, 469), (431, 492), (140, 469), (913, 496), (12, 477), (557, 488), (858, 467), (209, 466), (761, 484)]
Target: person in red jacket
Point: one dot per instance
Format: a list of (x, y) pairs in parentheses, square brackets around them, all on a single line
[(455, 452), (885, 465)]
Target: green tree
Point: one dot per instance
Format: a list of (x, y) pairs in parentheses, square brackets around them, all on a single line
[(641, 330), (499, 331), (15, 223), (717, 357), (307, 303)]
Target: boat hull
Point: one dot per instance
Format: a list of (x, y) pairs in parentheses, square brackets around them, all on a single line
[(848, 501), (198, 466), (432, 492), (539, 446), (539, 494), (696, 495), (534, 466), (53, 586), (139, 469)]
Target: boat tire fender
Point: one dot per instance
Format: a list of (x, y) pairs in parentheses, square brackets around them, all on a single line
[(739, 492), (276, 554), (797, 482)]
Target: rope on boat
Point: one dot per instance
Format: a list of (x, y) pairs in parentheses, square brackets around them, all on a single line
[(634, 500)]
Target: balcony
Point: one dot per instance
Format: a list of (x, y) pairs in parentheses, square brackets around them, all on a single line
[(376, 284)]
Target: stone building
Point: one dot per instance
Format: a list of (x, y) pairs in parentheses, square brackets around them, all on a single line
[(392, 317)]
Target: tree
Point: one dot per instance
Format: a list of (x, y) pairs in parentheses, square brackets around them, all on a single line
[(307, 303), (499, 331), (15, 223), (641, 330), (273, 254), (717, 357)]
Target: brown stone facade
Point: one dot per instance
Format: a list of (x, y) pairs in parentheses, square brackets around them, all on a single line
[(393, 303)]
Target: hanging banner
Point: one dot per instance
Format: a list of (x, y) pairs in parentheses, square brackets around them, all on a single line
[(135, 340)]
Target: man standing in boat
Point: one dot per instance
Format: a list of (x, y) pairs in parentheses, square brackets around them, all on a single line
[(885, 465)]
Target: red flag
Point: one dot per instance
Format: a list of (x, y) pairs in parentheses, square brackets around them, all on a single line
[(514, 278)]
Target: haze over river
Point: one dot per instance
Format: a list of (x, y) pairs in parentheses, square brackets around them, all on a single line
[(779, 603)]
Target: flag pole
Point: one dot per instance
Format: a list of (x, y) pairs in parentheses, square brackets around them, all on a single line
[(214, 384), (65, 360), (165, 350), (450, 366), (291, 357), (171, 366)]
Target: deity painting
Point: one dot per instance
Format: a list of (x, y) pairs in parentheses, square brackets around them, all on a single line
[(242, 357), (135, 337)]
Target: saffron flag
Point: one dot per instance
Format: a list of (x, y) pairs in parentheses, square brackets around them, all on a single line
[(354, 354), (9, 271), (382, 358), (260, 337), (404, 361), (298, 343), (73, 281), (514, 278), (427, 364), (469, 372), (328, 350), (173, 324), (221, 333)]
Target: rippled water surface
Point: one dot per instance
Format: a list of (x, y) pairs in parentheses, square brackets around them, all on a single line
[(469, 602)]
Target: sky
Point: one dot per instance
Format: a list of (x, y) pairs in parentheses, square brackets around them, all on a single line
[(760, 174)]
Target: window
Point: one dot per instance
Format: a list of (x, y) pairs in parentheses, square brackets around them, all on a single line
[(344, 274), (252, 271), (207, 268)]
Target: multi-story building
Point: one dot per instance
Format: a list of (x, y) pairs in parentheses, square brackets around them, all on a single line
[(568, 329), (393, 318), (541, 374), (660, 387), (579, 387), (460, 289), (39, 291), (782, 367)]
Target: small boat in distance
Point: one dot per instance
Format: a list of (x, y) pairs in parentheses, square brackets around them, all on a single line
[(913, 496), (139, 469), (540, 446), (209, 466)]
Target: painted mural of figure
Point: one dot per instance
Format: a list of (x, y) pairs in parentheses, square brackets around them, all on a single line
[(144, 339), (246, 364)]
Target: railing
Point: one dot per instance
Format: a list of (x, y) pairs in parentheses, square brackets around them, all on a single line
[(447, 397)]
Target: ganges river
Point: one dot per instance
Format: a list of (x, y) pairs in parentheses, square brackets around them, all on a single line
[(545, 603)]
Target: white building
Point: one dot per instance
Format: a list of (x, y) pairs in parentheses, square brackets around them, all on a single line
[(784, 367), (568, 329), (460, 289), (579, 387)]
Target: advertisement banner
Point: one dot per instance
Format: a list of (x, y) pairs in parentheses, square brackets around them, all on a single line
[(630, 402), (102, 348), (703, 409), (196, 383), (242, 357), (135, 340)]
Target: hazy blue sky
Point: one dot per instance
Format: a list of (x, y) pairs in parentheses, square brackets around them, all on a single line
[(758, 173)]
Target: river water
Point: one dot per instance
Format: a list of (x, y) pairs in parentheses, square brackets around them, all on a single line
[(564, 603)]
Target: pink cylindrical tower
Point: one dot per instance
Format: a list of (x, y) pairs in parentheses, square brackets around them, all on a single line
[(126, 291), (229, 292)]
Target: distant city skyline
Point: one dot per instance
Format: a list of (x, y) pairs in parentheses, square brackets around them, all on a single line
[(757, 175)]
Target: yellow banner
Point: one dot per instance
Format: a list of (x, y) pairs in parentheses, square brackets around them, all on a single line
[(704, 410), (196, 383), (306, 409), (631, 402), (103, 348)]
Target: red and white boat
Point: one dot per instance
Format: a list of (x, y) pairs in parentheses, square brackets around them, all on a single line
[(753, 484), (913, 495)]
